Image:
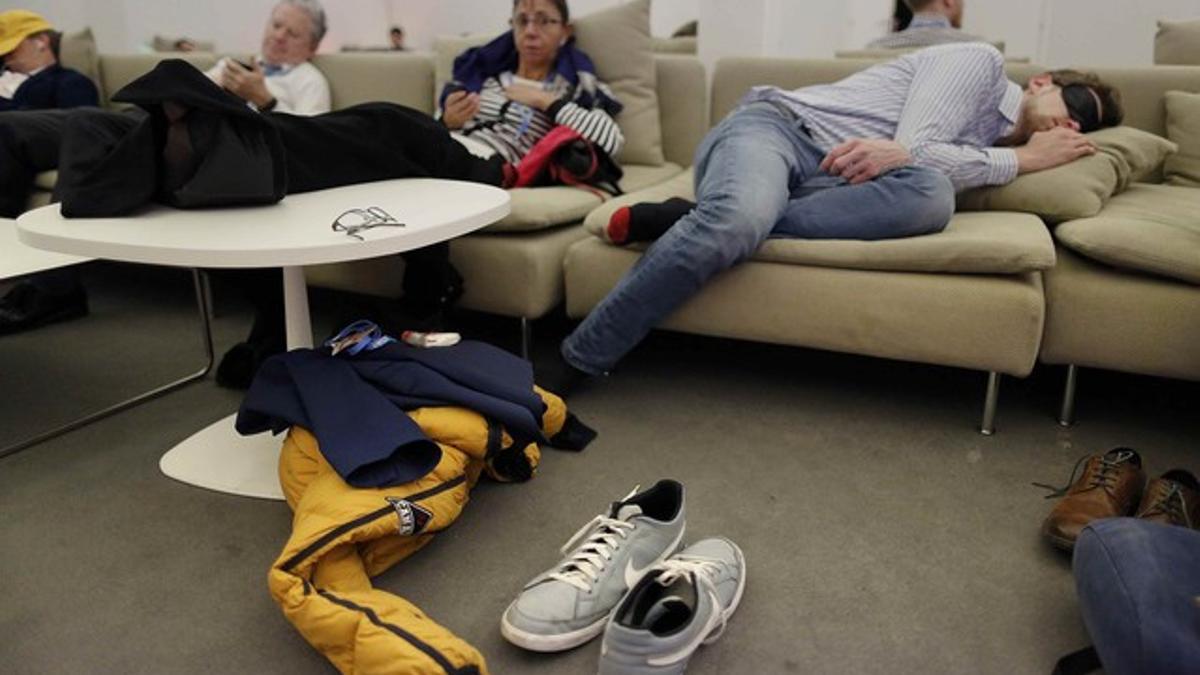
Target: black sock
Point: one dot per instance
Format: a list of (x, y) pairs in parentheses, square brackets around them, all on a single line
[(647, 221), (557, 376)]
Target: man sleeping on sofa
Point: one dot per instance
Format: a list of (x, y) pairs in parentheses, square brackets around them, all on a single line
[(877, 155)]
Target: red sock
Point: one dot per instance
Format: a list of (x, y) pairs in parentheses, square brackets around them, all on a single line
[(618, 226)]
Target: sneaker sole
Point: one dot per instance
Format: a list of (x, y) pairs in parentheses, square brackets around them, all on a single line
[(549, 643), (559, 642)]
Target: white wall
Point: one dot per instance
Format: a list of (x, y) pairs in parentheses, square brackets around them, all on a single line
[(1052, 32), (236, 25)]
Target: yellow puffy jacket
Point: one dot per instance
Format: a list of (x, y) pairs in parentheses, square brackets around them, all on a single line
[(342, 536)]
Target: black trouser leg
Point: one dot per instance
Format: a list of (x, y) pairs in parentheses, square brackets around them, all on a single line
[(29, 142), (375, 141)]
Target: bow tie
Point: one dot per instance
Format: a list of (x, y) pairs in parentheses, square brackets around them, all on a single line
[(270, 69)]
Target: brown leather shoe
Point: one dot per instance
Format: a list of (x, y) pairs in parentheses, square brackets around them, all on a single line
[(1110, 485), (1173, 499)]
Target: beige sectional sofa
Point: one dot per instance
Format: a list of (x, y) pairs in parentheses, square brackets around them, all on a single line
[(986, 294), (514, 267), (994, 292)]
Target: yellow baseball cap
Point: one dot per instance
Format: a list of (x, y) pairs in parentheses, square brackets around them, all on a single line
[(18, 24)]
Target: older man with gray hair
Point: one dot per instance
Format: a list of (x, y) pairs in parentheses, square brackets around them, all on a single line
[(280, 78)]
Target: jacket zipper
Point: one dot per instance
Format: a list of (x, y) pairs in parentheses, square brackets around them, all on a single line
[(338, 531), (367, 518)]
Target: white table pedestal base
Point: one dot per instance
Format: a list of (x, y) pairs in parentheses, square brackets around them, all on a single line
[(219, 458)]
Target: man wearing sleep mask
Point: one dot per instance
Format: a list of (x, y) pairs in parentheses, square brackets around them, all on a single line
[(879, 154)]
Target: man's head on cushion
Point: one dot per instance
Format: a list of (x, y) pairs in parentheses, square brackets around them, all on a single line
[(1067, 98), (293, 32)]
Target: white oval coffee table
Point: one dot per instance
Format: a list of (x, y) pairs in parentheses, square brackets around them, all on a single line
[(291, 234)]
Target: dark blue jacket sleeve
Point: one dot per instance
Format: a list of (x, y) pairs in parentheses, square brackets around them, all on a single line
[(76, 90)]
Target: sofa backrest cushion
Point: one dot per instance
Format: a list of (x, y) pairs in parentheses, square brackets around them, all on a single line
[(1143, 92), (1149, 228), (1081, 188), (118, 70), (1177, 43), (394, 77), (619, 43), (77, 51), (1183, 128)]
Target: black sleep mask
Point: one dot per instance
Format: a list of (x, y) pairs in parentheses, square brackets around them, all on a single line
[(1083, 106)]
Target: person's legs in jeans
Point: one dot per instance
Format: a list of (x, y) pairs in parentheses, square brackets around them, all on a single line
[(746, 169), (1139, 592), (905, 202)]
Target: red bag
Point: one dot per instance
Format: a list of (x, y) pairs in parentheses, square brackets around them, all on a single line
[(565, 157)]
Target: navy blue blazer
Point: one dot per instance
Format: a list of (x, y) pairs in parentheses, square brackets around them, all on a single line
[(355, 405), (52, 88)]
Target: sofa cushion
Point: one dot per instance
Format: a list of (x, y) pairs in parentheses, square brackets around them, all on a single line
[(543, 207), (1183, 128), (973, 243), (619, 44), (77, 51), (1177, 43), (394, 77), (1149, 228), (982, 243), (1081, 188)]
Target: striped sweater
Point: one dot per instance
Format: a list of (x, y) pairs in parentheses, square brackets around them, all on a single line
[(512, 129)]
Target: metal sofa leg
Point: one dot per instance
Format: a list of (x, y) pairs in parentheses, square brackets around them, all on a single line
[(988, 426), (526, 337), (1066, 416)]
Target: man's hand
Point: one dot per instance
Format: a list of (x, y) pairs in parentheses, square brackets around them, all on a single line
[(533, 97), (861, 159), (460, 108), (1048, 149), (245, 83)]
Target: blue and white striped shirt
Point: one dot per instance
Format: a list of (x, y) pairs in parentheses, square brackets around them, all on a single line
[(946, 104), (925, 30)]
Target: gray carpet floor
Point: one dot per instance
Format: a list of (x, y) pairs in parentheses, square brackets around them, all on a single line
[(882, 533)]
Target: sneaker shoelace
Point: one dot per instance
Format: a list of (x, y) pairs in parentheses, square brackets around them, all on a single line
[(1105, 477), (1173, 505), (703, 571), (600, 540)]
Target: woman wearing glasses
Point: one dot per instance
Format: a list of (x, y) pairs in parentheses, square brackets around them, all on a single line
[(505, 96), (510, 93)]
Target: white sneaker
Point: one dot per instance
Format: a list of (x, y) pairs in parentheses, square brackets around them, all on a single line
[(569, 604), (678, 606)]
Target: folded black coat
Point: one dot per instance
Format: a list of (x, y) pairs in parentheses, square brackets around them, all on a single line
[(111, 163)]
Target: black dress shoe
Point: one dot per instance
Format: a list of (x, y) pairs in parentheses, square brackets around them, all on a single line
[(240, 364), (28, 306)]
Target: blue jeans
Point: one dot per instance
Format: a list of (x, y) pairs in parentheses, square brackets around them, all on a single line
[(1139, 590), (757, 176)]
